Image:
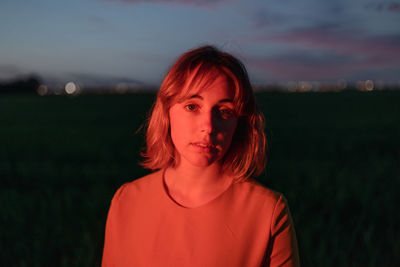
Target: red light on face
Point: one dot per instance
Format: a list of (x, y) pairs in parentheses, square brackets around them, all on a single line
[(202, 126)]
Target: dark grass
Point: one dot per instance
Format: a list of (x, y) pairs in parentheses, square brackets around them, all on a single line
[(335, 156)]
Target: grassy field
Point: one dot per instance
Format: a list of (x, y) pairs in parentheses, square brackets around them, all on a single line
[(335, 156)]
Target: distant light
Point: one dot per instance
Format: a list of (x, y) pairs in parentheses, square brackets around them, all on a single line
[(369, 85), (122, 88), (341, 84), (70, 88), (305, 86), (360, 85), (42, 90)]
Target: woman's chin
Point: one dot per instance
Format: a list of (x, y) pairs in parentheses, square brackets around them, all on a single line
[(202, 161)]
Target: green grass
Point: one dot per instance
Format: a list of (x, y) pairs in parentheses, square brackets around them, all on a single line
[(334, 155)]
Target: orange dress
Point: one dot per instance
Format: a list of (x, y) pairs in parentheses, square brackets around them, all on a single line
[(247, 225)]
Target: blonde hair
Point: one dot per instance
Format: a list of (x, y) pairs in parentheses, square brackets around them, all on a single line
[(246, 156)]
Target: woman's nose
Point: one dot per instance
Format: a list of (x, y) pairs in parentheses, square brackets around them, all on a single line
[(207, 123)]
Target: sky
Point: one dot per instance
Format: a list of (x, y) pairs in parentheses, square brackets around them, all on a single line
[(110, 41)]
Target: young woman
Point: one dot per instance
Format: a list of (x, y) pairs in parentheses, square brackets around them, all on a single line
[(201, 206)]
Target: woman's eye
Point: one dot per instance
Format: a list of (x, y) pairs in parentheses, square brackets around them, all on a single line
[(226, 113), (191, 107)]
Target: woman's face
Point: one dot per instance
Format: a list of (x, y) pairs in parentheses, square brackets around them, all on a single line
[(202, 125)]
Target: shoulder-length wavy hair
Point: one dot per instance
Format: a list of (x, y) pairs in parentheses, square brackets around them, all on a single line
[(246, 156)]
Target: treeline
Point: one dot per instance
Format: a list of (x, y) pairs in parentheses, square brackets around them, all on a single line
[(28, 84)]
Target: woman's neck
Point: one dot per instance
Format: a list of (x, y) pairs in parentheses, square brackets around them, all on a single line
[(195, 185)]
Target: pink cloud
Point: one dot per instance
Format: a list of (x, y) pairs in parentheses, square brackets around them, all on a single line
[(394, 7), (261, 17), (391, 7), (384, 50), (343, 43), (329, 53)]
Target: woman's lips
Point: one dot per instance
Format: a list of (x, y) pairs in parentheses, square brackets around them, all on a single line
[(204, 147)]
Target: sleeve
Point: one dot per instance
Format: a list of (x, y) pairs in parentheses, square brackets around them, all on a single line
[(110, 244), (282, 250)]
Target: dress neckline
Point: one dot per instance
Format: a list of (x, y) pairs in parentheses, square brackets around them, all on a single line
[(179, 205)]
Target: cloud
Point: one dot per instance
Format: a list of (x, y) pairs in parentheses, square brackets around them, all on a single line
[(195, 3), (381, 7), (262, 17), (329, 52), (394, 7), (383, 49), (285, 14)]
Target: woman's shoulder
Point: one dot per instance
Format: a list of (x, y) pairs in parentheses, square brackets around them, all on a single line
[(138, 186), (253, 195), (253, 189)]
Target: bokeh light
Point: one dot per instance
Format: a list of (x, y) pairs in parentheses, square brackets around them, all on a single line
[(42, 90), (369, 85), (71, 88)]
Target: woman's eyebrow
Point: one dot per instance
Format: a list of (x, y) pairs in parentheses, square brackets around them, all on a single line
[(195, 96), (225, 100)]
